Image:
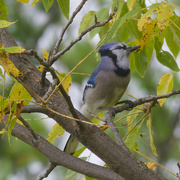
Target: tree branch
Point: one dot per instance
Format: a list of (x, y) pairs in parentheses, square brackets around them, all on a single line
[(96, 24), (119, 160), (59, 157), (67, 25)]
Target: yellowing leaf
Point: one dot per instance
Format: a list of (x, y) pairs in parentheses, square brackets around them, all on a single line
[(4, 23), (23, 1), (19, 93), (164, 13), (67, 82), (151, 165), (8, 66), (148, 29), (45, 54), (149, 126), (34, 2), (3, 10), (165, 86), (56, 131), (3, 131), (146, 17), (14, 49), (130, 4), (40, 68)]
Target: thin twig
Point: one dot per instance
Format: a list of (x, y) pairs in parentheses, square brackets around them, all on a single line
[(67, 25), (48, 171), (115, 131), (34, 53), (96, 24), (28, 127)]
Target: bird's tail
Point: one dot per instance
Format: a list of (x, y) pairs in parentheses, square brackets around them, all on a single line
[(72, 142)]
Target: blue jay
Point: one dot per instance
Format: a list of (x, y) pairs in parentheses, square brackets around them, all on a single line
[(107, 83)]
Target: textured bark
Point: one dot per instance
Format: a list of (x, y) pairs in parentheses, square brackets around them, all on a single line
[(120, 161)]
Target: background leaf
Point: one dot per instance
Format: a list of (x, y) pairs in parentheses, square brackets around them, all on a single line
[(64, 6)]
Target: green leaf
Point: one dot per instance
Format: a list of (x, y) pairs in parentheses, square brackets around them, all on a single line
[(167, 60), (3, 10), (13, 49), (172, 40), (4, 23), (165, 86), (12, 124), (149, 49), (56, 131), (34, 2), (141, 62), (18, 92), (87, 20), (47, 4), (131, 4), (101, 15), (79, 152), (133, 137), (64, 6)]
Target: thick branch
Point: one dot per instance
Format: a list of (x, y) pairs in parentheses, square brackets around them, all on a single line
[(59, 157), (119, 160)]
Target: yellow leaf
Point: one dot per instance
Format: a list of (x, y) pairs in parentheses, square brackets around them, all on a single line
[(8, 66), (19, 93), (149, 126), (151, 165), (23, 1), (34, 2), (148, 29), (4, 23), (67, 82), (164, 13), (40, 68), (165, 86), (130, 4), (3, 131), (45, 54), (56, 131)]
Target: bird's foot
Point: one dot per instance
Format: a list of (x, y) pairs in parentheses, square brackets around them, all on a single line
[(109, 109), (129, 102)]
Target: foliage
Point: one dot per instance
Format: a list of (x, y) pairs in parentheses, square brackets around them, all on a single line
[(135, 24)]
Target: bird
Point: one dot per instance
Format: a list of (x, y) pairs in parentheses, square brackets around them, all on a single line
[(106, 84)]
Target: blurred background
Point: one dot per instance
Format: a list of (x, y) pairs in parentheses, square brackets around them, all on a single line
[(36, 29)]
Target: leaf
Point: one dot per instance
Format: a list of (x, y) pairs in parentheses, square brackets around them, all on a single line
[(66, 83), (34, 2), (101, 15), (45, 54), (4, 107), (133, 137), (56, 131), (130, 4), (13, 49), (19, 93), (167, 59), (131, 119), (8, 66), (151, 165), (64, 6), (165, 86), (149, 126), (47, 4), (79, 152), (146, 17), (141, 62), (164, 13), (3, 131), (172, 40), (10, 128), (4, 23), (3, 10), (23, 1), (40, 68), (148, 29), (87, 20)]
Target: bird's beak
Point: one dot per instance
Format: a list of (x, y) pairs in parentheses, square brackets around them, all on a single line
[(133, 48)]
